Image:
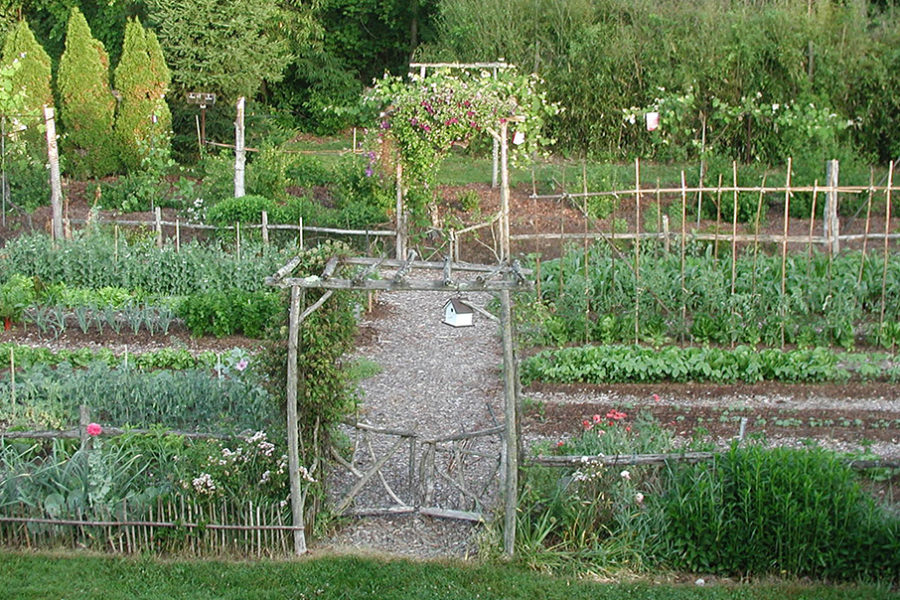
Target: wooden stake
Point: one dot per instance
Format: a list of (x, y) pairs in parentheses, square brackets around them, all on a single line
[(862, 261), (398, 210), (158, 218), (831, 208), (812, 224), (293, 424), (734, 219), (637, 249), (240, 156), (887, 230), (177, 235), (787, 210), (718, 219), (511, 422), (265, 218), (683, 249)]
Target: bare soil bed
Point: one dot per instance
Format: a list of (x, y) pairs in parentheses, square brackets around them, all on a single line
[(845, 417)]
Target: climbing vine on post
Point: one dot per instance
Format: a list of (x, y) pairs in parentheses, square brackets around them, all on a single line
[(423, 118)]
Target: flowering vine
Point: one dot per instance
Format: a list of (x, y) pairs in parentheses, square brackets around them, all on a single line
[(423, 118)]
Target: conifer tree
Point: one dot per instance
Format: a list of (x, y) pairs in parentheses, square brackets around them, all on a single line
[(87, 105), (142, 79), (32, 77)]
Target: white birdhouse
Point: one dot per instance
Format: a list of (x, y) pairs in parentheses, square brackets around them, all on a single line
[(457, 314)]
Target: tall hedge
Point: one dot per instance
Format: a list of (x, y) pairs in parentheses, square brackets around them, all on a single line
[(142, 78), (32, 76), (87, 105)]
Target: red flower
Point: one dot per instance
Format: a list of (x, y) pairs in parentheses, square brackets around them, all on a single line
[(656, 397), (587, 424), (93, 429), (597, 418)]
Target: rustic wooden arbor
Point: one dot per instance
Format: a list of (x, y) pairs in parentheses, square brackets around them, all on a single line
[(367, 275)]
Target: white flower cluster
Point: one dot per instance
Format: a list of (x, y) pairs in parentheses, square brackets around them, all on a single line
[(204, 484)]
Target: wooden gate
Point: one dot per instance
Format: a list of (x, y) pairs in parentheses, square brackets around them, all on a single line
[(386, 471)]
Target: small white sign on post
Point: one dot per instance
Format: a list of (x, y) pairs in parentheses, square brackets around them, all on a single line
[(652, 121), (518, 138)]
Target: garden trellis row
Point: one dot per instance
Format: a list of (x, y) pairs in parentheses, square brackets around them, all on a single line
[(641, 214)]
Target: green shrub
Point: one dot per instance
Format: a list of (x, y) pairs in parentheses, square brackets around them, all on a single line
[(229, 312), (757, 511), (15, 294), (246, 209)]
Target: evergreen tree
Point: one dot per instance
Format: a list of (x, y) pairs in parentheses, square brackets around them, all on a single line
[(87, 106), (142, 79), (32, 77)]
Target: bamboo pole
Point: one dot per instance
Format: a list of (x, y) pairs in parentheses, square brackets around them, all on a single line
[(887, 229), (734, 219), (718, 219), (812, 224), (637, 249), (784, 243), (683, 249), (862, 260)]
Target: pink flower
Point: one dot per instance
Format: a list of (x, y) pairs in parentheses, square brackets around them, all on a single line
[(560, 444), (639, 498), (242, 364), (616, 415), (656, 397), (597, 418), (587, 424), (94, 429), (625, 475)]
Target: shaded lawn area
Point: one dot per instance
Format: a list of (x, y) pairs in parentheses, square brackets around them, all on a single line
[(74, 576)]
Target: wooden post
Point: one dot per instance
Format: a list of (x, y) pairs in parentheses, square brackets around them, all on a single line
[(157, 215), (832, 224), (511, 440), (293, 441), (301, 233), (265, 222), (399, 220), (812, 225), (240, 158), (55, 183), (237, 239), (177, 235), (504, 192), (84, 417)]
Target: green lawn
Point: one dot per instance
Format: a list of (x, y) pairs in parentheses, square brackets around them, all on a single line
[(74, 576)]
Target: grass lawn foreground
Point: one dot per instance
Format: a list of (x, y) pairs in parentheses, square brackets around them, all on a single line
[(25, 575)]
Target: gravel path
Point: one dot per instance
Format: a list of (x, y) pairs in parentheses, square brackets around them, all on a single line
[(436, 380)]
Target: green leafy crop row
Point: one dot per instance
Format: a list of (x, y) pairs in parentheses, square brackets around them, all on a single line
[(192, 399), (595, 296), (622, 364)]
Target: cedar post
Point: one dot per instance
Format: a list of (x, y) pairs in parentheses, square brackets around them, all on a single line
[(55, 183), (240, 158), (293, 425), (401, 233), (510, 413)]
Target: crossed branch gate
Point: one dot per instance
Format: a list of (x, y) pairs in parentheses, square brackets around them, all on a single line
[(455, 476)]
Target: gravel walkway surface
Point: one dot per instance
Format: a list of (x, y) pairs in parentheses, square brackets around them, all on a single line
[(436, 380)]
